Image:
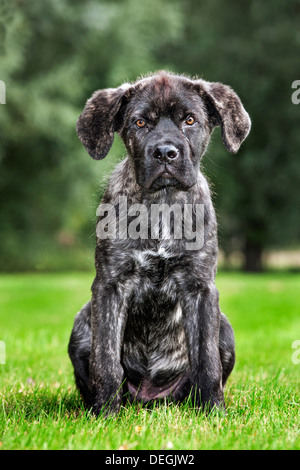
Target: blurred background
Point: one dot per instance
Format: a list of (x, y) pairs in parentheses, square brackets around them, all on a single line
[(55, 53)]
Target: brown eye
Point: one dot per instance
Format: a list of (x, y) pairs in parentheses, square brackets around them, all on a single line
[(140, 123), (190, 120)]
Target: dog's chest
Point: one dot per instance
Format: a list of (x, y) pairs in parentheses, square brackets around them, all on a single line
[(154, 340)]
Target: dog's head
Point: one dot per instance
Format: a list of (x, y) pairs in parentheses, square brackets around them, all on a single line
[(165, 121)]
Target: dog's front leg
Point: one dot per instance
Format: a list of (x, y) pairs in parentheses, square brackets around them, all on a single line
[(202, 325), (106, 372)]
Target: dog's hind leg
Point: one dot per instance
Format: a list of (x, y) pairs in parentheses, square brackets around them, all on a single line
[(226, 346), (79, 350)]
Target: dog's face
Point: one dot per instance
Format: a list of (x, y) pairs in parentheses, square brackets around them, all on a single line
[(166, 130), (166, 122)]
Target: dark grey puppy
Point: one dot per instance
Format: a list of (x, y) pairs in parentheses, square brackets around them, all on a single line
[(153, 327)]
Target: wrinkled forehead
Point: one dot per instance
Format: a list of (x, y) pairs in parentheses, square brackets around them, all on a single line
[(165, 96)]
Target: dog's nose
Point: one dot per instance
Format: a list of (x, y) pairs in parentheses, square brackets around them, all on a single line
[(166, 153)]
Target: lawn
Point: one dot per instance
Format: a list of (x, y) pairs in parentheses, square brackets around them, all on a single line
[(41, 409)]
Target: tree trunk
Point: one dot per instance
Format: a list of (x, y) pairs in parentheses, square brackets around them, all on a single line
[(253, 257)]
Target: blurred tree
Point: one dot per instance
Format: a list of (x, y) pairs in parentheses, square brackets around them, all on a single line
[(252, 46), (54, 54), (39, 156)]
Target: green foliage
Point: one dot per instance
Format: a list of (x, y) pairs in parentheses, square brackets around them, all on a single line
[(55, 53), (252, 46), (47, 181)]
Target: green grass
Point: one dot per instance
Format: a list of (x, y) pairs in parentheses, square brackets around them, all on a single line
[(41, 409)]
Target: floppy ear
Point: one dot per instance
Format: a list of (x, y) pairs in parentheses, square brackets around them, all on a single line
[(99, 120), (225, 109)]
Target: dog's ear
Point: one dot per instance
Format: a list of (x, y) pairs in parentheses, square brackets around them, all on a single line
[(100, 119), (225, 109)]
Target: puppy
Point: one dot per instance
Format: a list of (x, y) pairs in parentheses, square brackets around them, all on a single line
[(153, 327)]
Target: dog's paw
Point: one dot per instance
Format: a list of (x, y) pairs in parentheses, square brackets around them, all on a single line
[(207, 402), (107, 408)]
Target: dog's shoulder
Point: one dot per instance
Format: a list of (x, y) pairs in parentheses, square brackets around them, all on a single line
[(122, 182)]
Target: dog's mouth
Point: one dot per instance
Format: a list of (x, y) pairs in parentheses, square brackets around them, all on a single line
[(166, 175), (167, 178), (154, 178), (164, 179)]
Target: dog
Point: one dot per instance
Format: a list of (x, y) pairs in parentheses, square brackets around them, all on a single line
[(153, 328)]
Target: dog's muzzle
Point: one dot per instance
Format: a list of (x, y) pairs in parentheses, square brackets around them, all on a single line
[(166, 164)]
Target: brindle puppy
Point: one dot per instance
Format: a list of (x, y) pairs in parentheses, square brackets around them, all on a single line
[(153, 327)]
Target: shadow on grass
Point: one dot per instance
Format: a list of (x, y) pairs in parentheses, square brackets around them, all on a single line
[(34, 404)]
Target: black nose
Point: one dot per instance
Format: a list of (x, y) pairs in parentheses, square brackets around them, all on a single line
[(166, 153)]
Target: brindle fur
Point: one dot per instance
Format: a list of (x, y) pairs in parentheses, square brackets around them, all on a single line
[(153, 327)]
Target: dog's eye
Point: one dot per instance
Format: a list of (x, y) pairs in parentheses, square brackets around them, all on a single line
[(190, 120), (140, 123)]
